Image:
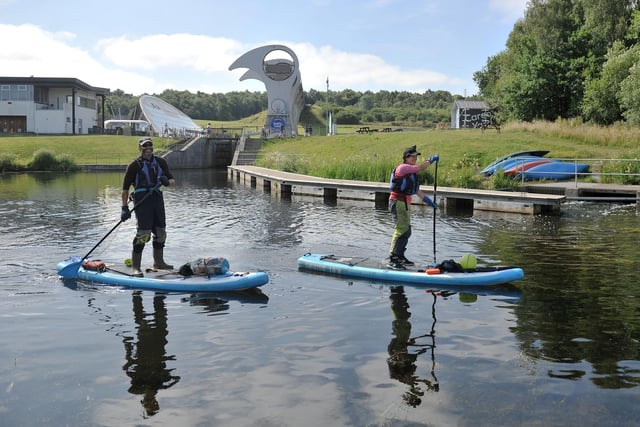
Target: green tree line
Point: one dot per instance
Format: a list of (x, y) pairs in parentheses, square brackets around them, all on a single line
[(347, 106), (568, 59)]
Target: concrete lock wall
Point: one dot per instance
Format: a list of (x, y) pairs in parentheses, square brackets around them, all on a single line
[(203, 153)]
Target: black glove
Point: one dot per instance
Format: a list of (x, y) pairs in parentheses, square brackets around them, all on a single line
[(164, 181), (126, 213)]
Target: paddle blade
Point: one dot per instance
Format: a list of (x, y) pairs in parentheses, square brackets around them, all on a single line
[(68, 269)]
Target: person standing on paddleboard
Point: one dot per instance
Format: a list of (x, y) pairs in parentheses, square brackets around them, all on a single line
[(404, 184), (147, 173)]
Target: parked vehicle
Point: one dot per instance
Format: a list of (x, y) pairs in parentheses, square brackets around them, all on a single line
[(127, 127)]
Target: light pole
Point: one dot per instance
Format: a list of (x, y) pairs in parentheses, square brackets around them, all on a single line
[(327, 105)]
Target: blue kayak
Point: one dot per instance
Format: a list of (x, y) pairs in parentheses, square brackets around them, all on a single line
[(557, 171), (165, 280), (371, 269), (517, 162)]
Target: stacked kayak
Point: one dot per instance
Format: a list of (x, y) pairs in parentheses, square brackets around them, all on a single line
[(510, 159), (532, 165), (555, 170), (365, 268), (159, 280)]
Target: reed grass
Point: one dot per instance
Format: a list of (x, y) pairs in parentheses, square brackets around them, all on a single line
[(463, 153)]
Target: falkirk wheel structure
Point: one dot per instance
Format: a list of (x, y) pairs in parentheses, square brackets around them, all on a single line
[(278, 68)]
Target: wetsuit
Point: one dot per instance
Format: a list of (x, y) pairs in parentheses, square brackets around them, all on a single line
[(144, 175)]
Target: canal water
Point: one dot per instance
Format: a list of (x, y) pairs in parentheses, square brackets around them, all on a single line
[(558, 348)]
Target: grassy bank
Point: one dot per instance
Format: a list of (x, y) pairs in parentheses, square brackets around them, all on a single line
[(81, 149), (462, 153), (371, 157)]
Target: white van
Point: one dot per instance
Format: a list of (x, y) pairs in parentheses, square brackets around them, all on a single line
[(126, 127)]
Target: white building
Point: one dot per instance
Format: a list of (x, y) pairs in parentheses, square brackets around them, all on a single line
[(50, 105)]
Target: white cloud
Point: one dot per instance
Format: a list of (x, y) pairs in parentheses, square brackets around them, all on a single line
[(35, 52), (161, 50), (510, 9), (153, 63), (360, 71)]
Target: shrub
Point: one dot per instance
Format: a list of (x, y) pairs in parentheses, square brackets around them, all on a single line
[(500, 181), (464, 173), (66, 164), (628, 169), (8, 163), (469, 161), (43, 160), (468, 178), (46, 160), (347, 117)]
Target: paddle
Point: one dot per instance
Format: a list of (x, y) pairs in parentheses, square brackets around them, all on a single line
[(71, 270), (435, 187)]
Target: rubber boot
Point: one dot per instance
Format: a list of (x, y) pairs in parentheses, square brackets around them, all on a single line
[(158, 260), (136, 260)]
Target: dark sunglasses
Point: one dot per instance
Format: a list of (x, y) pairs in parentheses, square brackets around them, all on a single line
[(147, 144)]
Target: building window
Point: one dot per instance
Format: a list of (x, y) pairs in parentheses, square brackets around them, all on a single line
[(41, 95), (5, 93), (87, 102), (16, 93)]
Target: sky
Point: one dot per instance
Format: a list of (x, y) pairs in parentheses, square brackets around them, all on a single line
[(141, 46)]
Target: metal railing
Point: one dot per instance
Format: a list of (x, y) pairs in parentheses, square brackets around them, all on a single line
[(595, 167)]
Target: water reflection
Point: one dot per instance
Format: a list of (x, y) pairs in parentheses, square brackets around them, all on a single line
[(404, 349), (584, 304), (145, 353), (569, 328), (217, 303), (147, 362)]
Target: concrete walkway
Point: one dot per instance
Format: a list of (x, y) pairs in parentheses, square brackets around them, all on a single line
[(588, 191)]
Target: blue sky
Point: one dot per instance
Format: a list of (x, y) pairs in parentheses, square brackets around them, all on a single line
[(147, 47)]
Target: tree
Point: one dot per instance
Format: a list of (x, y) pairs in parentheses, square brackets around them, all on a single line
[(629, 94), (120, 105), (548, 65), (349, 106), (552, 66), (601, 103), (608, 20), (366, 101)]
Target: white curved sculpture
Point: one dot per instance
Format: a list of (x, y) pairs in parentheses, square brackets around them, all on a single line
[(281, 77), (165, 119)]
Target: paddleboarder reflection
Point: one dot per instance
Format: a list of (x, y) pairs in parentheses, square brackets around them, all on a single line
[(146, 357), (404, 350)]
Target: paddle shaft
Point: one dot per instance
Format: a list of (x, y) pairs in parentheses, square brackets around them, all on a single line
[(435, 189), (120, 222)]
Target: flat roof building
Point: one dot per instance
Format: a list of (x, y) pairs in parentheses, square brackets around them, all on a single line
[(50, 105)]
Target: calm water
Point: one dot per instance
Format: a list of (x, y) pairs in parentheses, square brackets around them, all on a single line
[(559, 349)]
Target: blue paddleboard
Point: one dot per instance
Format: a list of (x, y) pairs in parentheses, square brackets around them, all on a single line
[(167, 280), (372, 269)]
